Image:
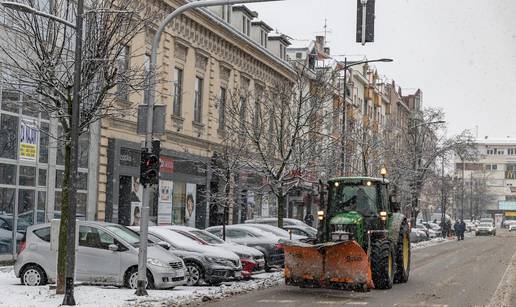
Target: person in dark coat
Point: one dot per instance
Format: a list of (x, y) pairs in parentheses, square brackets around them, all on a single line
[(456, 227), (462, 229)]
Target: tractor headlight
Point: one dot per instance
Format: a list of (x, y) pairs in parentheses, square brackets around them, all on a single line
[(383, 215)]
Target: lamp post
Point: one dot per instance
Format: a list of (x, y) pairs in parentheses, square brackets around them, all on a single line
[(74, 137), (142, 254), (344, 109)]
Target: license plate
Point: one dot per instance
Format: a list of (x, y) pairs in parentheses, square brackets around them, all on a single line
[(178, 273)]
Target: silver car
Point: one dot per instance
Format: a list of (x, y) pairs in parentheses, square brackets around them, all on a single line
[(107, 254), (204, 263)]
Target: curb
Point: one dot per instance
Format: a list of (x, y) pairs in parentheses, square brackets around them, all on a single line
[(504, 296)]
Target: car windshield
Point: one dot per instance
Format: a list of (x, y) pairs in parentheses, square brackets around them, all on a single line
[(360, 198), (125, 234), (206, 236)]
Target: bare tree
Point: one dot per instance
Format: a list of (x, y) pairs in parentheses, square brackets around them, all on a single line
[(38, 61), (283, 129)]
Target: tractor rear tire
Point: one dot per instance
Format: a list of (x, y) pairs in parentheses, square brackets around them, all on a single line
[(403, 255), (383, 264)]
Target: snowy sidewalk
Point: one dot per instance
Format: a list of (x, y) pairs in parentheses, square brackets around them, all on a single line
[(13, 294), (436, 241)]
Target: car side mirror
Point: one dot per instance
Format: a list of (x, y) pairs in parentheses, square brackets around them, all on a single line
[(164, 244), (113, 247), (395, 206)]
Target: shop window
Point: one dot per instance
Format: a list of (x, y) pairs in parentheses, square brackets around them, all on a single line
[(10, 101), (29, 106), (9, 136), (7, 174), (178, 203), (41, 210), (42, 177), (43, 143), (84, 141), (27, 176), (26, 202)]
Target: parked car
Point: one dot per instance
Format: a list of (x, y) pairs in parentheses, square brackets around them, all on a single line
[(486, 228), (274, 221), (252, 259), (277, 231), (205, 263), (107, 254), (433, 227), (417, 235), (470, 226), (423, 228), (265, 242), (301, 230), (512, 225)]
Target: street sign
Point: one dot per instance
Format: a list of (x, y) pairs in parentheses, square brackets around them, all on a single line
[(158, 125)]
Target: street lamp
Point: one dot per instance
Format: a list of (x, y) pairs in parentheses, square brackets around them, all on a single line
[(383, 173), (74, 137), (345, 68), (151, 91)]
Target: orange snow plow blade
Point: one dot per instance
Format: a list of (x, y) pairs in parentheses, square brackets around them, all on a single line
[(342, 265)]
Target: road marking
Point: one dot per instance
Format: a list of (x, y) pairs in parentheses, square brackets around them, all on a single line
[(277, 301), (357, 303)]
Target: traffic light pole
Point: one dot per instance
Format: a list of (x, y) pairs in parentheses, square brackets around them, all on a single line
[(142, 254)]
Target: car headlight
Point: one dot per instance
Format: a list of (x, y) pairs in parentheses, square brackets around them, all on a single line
[(156, 262)]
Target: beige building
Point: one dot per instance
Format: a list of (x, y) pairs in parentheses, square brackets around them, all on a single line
[(204, 56)]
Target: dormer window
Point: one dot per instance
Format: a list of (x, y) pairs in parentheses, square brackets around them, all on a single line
[(246, 26)]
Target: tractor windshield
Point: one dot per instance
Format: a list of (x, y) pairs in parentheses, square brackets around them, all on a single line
[(358, 198)]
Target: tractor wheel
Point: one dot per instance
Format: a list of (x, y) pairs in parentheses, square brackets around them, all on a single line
[(403, 255), (383, 264)]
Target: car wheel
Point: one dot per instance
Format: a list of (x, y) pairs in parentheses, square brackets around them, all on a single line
[(195, 273), (33, 275), (131, 279)]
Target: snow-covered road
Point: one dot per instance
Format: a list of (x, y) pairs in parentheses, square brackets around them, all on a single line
[(13, 294)]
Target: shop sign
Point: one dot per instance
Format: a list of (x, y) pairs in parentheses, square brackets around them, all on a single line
[(28, 141), (166, 165), (129, 157)]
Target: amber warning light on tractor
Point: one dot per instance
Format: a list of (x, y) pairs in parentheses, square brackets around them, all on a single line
[(320, 215)]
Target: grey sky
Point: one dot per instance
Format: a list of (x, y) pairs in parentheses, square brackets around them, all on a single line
[(461, 53)]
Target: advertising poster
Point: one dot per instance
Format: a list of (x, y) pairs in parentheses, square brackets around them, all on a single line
[(165, 202), (28, 141), (190, 204), (136, 201)]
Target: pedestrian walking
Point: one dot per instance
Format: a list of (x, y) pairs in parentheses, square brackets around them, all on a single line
[(456, 227), (462, 229)]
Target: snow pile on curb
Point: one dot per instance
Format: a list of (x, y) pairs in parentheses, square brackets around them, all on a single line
[(14, 294), (428, 243), (505, 295)]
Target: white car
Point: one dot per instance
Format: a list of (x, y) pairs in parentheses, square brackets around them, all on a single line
[(107, 254), (512, 226)]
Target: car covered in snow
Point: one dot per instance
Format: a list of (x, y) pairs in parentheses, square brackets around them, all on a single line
[(486, 228), (205, 263), (277, 231), (265, 242), (107, 254), (252, 259), (418, 235), (301, 230), (274, 221)]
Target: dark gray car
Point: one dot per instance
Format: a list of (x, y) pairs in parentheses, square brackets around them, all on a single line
[(265, 242)]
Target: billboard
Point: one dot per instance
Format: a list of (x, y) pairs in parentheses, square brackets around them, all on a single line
[(28, 141)]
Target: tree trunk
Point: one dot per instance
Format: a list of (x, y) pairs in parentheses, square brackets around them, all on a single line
[(281, 210), (61, 254)]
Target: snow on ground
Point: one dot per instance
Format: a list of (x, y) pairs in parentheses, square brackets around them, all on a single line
[(436, 241), (13, 294)]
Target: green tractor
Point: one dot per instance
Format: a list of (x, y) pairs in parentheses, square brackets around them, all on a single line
[(363, 240)]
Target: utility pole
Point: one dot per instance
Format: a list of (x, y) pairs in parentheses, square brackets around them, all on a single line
[(462, 190), (471, 197), (443, 200), (343, 132)]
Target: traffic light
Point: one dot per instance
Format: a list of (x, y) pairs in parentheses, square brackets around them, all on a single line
[(366, 27), (149, 165)]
